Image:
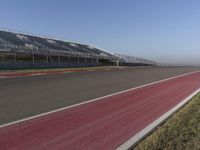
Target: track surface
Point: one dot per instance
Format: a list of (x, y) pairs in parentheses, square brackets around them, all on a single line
[(103, 124), (27, 96)]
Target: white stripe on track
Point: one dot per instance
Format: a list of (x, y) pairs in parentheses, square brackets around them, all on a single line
[(89, 101), (3, 77), (31, 74)]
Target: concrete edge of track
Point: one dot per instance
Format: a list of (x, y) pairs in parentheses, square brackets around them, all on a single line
[(148, 129), (93, 100)]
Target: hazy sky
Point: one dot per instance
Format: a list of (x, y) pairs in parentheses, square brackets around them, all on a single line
[(162, 30)]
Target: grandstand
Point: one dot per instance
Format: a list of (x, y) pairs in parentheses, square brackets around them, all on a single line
[(24, 50), (21, 50), (125, 60)]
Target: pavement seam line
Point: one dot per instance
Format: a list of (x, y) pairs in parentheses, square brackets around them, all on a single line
[(93, 100)]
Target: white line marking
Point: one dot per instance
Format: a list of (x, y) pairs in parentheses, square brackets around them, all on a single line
[(90, 70), (89, 101), (37, 74), (17, 76), (3, 77), (30, 74), (68, 72), (133, 140)]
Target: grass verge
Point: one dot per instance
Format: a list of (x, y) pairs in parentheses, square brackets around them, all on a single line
[(180, 131)]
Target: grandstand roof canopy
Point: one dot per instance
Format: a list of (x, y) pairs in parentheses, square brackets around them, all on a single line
[(34, 42)]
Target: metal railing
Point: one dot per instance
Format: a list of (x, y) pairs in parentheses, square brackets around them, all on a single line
[(134, 60)]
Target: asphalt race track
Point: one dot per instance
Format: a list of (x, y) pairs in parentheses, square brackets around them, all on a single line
[(103, 124), (28, 96)]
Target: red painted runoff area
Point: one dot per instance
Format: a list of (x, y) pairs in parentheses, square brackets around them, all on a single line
[(100, 125)]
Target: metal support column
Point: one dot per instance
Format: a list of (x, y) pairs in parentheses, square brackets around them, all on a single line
[(85, 60), (78, 59), (69, 59), (59, 59), (47, 59), (33, 58), (15, 58)]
